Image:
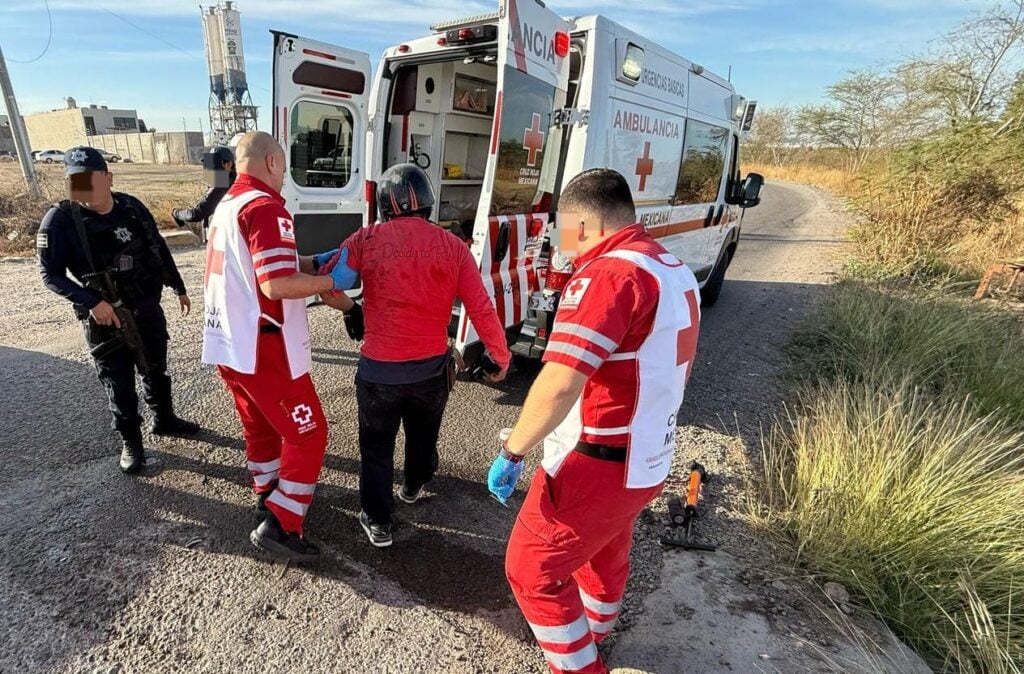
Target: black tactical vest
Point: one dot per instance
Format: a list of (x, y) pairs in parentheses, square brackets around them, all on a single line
[(124, 245)]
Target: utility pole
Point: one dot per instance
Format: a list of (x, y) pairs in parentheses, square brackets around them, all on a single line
[(18, 129)]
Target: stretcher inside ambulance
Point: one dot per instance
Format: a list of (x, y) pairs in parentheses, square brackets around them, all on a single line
[(500, 110)]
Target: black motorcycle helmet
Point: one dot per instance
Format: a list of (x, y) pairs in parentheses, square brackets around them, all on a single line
[(403, 190)]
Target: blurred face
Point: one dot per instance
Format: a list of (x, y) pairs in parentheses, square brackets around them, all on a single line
[(92, 188), (275, 170), (576, 232)]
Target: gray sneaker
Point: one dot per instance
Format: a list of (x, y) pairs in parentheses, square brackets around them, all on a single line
[(407, 496), (379, 534)]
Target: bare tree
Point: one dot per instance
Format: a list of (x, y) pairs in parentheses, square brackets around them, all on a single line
[(863, 113), (969, 76), (772, 139)]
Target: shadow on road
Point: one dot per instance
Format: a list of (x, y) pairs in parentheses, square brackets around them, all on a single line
[(86, 539)]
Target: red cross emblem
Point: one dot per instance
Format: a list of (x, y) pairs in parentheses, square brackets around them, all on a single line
[(214, 259), (644, 166), (577, 286), (533, 141), (287, 228), (686, 339)]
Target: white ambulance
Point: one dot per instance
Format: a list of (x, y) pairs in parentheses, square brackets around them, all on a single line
[(501, 111)]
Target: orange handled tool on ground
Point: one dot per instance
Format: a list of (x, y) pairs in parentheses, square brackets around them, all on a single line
[(682, 515)]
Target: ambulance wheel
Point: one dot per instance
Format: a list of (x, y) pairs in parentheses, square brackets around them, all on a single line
[(713, 288)]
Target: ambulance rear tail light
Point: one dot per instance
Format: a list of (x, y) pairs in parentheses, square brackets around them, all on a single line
[(561, 44), (472, 34), (557, 280), (535, 228)]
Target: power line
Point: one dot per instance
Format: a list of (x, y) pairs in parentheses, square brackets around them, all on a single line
[(152, 35), (49, 37)]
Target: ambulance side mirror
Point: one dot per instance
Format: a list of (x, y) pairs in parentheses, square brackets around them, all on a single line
[(750, 190), (501, 243)]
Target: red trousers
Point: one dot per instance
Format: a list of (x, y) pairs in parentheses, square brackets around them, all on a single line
[(568, 557), (284, 428)]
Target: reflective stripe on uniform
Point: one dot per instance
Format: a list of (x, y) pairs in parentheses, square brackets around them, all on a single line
[(602, 626), (266, 466), (572, 661), (596, 605), (583, 332), (561, 634), (275, 266), (297, 488), (576, 352), (290, 504), (625, 355), (272, 252), (263, 479), (618, 430)]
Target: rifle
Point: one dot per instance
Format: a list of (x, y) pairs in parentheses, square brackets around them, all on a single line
[(102, 283)]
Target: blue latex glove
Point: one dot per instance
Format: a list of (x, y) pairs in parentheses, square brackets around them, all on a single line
[(343, 276), (321, 259), (503, 476)]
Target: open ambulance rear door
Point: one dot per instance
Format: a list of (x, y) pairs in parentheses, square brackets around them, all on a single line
[(320, 99), (519, 178)]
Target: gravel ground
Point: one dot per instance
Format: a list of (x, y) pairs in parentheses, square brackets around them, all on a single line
[(106, 573)]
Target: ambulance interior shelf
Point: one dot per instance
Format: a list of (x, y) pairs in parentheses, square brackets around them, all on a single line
[(445, 112)]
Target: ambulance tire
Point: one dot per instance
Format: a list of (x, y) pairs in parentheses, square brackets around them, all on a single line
[(713, 288)]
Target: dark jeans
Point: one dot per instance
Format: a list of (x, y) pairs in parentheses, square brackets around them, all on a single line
[(116, 370), (419, 407)]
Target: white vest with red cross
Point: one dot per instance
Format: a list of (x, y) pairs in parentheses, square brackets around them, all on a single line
[(661, 379), (232, 313)]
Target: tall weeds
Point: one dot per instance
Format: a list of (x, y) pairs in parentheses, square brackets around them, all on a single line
[(900, 470)]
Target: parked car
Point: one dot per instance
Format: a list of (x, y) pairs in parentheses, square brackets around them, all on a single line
[(50, 156), (109, 157), (7, 155)]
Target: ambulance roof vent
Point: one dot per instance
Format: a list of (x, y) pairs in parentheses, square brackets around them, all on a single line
[(463, 23)]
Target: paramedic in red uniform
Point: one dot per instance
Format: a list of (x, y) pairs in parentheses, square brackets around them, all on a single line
[(412, 270), (257, 335), (605, 406)]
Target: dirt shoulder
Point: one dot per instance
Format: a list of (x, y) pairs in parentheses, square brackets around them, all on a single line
[(743, 608)]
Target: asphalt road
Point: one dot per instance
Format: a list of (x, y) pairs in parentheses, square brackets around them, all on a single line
[(106, 573)]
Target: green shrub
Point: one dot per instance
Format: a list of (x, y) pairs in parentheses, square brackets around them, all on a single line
[(946, 347), (915, 505)]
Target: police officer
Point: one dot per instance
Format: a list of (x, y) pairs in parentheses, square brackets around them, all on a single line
[(220, 165), (109, 243)]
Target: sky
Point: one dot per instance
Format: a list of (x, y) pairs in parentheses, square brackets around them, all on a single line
[(148, 54)]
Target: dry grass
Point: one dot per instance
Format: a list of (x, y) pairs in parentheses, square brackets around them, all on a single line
[(916, 229), (837, 181), (160, 188), (900, 471)]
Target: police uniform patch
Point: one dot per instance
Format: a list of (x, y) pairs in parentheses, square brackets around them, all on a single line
[(42, 240), (287, 228), (123, 235)]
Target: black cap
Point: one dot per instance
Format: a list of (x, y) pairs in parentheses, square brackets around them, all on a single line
[(223, 153), (83, 159)]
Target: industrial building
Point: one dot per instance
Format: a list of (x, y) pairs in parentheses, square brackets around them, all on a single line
[(72, 125), (119, 131)]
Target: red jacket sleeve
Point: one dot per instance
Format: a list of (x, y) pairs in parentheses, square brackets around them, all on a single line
[(477, 304), (270, 233), (598, 308)]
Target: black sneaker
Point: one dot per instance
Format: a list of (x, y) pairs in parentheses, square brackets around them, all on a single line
[(407, 496), (133, 456), (269, 536), (379, 534), (174, 425)]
